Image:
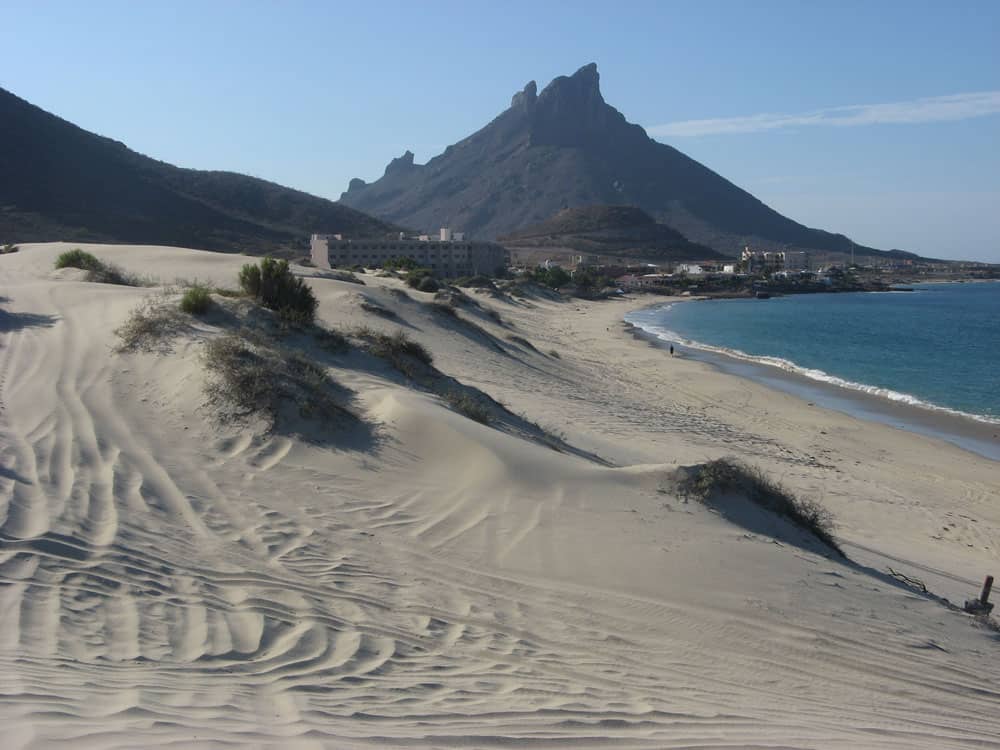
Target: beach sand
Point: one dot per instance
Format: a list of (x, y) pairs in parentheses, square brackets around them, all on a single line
[(436, 582)]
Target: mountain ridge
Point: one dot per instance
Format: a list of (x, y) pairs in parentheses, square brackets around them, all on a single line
[(565, 147), (64, 182)]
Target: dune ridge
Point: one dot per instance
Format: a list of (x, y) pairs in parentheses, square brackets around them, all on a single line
[(167, 583)]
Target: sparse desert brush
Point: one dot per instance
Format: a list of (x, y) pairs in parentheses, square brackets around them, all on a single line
[(397, 349), (521, 341), (272, 283), (447, 310), (253, 379), (149, 327), (400, 294), (730, 475), (99, 270), (554, 354), (468, 406), (196, 300), (8, 249), (375, 309), (331, 341)]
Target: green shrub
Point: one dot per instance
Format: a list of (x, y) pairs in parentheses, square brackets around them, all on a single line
[(98, 270), (276, 288), (78, 259), (196, 300), (730, 475), (428, 284), (468, 406), (401, 264)]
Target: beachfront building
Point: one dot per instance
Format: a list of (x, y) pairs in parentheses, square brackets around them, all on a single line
[(448, 255), (768, 262)]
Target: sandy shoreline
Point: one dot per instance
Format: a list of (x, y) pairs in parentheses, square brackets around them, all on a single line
[(978, 436), (432, 581)]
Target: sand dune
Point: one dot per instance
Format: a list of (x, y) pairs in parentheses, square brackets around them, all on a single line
[(169, 583)]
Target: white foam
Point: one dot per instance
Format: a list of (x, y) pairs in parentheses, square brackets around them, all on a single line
[(665, 334)]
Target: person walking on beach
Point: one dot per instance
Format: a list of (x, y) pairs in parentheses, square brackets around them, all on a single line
[(671, 350)]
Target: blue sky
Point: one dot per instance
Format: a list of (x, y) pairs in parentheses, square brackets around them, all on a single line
[(877, 119)]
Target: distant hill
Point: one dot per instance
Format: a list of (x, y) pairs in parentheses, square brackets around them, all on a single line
[(59, 182), (610, 230), (565, 148)]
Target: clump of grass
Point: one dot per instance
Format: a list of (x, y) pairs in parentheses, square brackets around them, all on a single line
[(276, 288), (554, 354), (253, 379), (521, 341), (331, 341), (382, 312), (196, 300), (447, 310), (495, 316), (467, 406), (398, 349), (149, 327), (401, 295), (98, 270), (8, 249), (228, 293), (730, 475)]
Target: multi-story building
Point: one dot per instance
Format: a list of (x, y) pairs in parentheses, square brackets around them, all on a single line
[(757, 261), (449, 256)]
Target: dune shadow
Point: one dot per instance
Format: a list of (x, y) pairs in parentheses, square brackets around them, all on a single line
[(18, 321)]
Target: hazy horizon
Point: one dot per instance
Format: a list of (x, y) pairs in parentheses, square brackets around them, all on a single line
[(877, 123)]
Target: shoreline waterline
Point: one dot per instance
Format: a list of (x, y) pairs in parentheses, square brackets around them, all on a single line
[(974, 433)]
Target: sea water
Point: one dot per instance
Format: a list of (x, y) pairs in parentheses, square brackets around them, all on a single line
[(936, 347)]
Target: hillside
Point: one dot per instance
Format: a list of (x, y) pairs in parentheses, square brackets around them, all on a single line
[(62, 182), (610, 230), (566, 147)]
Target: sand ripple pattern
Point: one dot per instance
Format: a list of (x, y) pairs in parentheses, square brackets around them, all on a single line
[(230, 596)]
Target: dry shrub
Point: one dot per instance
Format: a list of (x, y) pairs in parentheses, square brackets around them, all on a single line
[(251, 378), (150, 327), (467, 406), (729, 475)]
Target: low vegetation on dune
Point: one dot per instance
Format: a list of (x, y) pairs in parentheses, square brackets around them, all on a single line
[(399, 350), (468, 406), (729, 475), (253, 378), (376, 309), (97, 269), (150, 327), (272, 283), (196, 300)]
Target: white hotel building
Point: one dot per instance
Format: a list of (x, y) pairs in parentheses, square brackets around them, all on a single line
[(449, 255)]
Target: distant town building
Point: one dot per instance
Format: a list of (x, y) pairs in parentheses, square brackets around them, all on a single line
[(768, 262), (449, 256)]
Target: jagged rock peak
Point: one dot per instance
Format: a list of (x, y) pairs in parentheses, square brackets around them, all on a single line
[(356, 183), (526, 97), (400, 163), (586, 83)]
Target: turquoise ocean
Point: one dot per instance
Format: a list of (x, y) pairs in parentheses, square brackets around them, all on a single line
[(935, 348)]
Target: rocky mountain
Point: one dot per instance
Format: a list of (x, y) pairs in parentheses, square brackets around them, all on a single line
[(566, 147), (60, 182), (610, 230)]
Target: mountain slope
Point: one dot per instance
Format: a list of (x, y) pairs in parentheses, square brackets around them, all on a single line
[(610, 230), (566, 147), (62, 182)]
